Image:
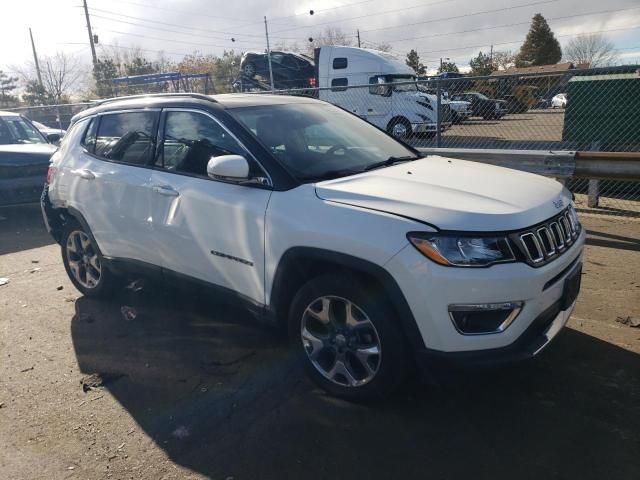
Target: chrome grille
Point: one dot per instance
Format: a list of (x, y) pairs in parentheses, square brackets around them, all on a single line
[(543, 243)]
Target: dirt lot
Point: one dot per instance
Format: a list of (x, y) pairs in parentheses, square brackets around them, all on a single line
[(535, 129), (195, 389)]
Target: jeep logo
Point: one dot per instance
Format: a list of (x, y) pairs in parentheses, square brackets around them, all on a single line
[(558, 203)]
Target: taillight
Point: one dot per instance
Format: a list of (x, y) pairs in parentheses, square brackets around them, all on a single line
[(49, 174), (312, 82)]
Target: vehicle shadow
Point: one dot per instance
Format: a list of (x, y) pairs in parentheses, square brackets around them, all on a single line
[(22, 228), (222, 396), (619, 242)]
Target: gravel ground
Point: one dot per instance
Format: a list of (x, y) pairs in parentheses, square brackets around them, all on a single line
[(193, 388)]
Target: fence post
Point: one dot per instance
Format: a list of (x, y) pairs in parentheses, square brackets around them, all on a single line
[(58, 117), (594, 184), (438, 102)]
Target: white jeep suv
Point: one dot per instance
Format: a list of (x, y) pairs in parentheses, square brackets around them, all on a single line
[(375, 258)]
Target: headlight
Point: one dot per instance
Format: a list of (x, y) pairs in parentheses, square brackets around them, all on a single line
[(460, 250)]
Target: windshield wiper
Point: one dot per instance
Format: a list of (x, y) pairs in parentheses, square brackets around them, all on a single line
[(390, 161), (331, 174)]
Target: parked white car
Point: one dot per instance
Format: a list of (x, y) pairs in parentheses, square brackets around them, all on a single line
[(559, 101), (373, 257), (54, 135)]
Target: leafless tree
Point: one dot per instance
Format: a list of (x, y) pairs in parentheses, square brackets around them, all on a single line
[(330, 36), (62, 75), (593, 50), (504, 59), (383, 47)]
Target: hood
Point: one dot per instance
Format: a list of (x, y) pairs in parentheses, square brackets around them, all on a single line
[(37, 149), (452, 194)]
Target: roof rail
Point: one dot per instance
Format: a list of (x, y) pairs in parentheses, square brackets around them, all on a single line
[(153, 95)]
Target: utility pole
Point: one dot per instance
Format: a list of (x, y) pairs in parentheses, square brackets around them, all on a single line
[(93, 47), (35, 58), (266, 32), (358, 30), (491, 56)]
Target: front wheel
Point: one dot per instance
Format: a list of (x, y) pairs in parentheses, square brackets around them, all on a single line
[(83, 262), (400, 128), (347, 336)]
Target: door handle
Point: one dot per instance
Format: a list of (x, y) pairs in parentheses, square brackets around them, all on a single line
[(84, 174), (165, 190)]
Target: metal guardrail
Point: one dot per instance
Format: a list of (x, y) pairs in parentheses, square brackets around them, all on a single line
[(559, 164)]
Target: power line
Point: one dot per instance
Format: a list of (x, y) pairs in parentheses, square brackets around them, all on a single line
[(244, 22), (469, 47), (465, 15), (214, 37), (129, 48), (177, 41), (188, 27), (422, 5), (188, 12), (444, 34)]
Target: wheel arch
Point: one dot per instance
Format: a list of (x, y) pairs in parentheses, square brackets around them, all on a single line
[(395, 119), (73, 214), (298, 265)]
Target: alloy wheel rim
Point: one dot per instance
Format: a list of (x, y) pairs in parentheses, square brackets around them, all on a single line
[(83, 260), (341, 341), (399, 130)]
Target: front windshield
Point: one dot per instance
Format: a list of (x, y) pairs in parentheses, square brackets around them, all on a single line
[(320, 141), (15, 129), (404, 84)]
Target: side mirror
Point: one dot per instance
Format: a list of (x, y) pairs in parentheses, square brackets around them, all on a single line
[(231, 167), (53, 137)]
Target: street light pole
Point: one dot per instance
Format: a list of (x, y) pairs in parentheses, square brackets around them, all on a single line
[(266, 32)]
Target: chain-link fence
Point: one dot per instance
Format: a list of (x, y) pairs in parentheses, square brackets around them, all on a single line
[(581, 109), (52, 116)]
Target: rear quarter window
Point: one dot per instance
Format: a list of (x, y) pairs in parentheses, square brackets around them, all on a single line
[(127, 137), (89, 138)]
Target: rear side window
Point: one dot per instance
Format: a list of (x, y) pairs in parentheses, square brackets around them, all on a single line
[(340, 63), (339, 84), (127, 137), (89, 139)]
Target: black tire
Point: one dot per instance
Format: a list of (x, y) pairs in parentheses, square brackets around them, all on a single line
[(104, 286), (391, 128), (249, 70), (392, 365)]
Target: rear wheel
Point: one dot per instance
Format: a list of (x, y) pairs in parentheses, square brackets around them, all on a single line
[(83, 262), (249, 70), (346, 334)]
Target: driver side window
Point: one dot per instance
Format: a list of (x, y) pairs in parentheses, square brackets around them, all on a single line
[(191, 139)]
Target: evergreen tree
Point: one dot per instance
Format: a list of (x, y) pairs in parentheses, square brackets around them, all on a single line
[(481, 65), (413, 60), (104, 71), (448, 67), (540, 47), (7, 85), (36, 94)]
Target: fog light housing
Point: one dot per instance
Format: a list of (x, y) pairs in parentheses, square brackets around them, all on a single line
[(484, 318)]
